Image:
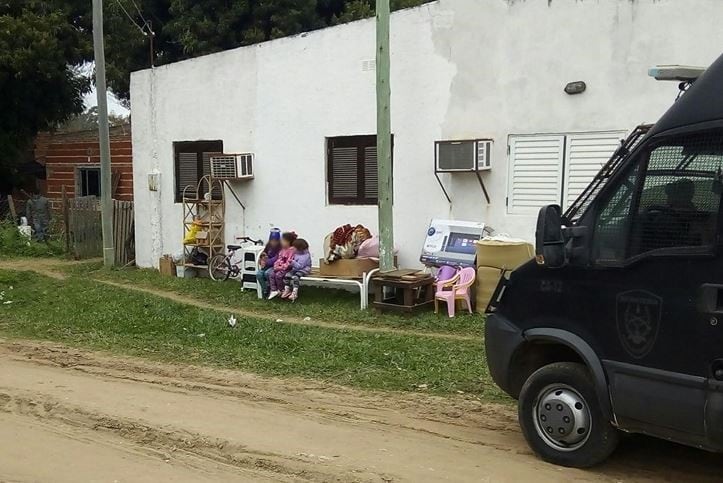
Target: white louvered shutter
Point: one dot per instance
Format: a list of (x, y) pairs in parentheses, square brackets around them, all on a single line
[(586, 154), (535, 173)]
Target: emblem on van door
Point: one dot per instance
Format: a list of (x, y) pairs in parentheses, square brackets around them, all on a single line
[(638, 320)]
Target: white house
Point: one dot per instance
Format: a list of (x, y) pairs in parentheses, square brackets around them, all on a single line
[(461, 70)]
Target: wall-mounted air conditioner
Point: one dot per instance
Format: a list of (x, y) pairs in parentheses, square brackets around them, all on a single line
[(468, 156), (232, 166), (463, 156)]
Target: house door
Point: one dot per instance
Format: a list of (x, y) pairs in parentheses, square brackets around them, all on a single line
[(659, 278)]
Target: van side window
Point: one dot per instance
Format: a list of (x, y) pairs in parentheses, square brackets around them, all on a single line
[(668, 204), (613, 224)]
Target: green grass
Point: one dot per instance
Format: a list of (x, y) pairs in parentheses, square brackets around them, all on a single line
[(318, 303), (81, 313), (13, 244)]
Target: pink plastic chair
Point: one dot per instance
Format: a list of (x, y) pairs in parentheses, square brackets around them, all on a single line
[(455, 289)]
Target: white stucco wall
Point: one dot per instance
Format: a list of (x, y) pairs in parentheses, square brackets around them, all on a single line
[(460, 69)]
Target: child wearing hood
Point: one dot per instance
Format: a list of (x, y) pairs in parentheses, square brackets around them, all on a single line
[(267, 259), (300, 267), (283, 263)]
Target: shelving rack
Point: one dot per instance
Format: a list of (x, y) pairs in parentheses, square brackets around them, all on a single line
[(198, 204)]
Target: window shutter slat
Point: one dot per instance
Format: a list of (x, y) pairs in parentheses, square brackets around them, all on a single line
[(187, 170), (371, 173), (344, 162), (535, 172), (586, 155)]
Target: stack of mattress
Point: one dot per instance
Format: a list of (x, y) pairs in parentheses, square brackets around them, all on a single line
[(495, 256)]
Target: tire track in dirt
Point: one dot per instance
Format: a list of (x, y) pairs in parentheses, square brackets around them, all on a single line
[(294, 429)]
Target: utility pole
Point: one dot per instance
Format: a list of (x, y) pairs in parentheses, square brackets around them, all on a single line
[(384, 141), (106, 201)]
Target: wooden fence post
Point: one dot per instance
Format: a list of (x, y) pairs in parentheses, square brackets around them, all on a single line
[(66, 220), (13, 212)]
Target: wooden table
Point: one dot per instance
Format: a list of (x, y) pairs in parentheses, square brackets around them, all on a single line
[(411, 291)]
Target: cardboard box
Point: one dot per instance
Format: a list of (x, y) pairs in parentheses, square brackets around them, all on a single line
[(354, 267), (487, 280), (166, 266), (502, 254)]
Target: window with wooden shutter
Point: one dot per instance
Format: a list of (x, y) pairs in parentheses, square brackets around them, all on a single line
[(192, 162), (352, 174)]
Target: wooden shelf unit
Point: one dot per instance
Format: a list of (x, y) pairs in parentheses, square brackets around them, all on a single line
[(212, 216)]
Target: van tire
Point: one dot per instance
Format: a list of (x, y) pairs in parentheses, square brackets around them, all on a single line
[(564, 391)]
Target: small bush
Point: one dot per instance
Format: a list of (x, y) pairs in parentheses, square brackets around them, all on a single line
[(13, 244)]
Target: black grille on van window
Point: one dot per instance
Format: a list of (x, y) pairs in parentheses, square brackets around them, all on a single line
[(669, 199), (578, 208)]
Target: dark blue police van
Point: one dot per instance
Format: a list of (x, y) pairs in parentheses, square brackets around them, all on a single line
[(617, 325)]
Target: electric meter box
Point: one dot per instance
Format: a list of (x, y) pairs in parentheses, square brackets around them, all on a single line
[(450, 242)]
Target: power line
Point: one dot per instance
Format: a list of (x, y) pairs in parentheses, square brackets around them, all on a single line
[(131, 18), (145, 22)]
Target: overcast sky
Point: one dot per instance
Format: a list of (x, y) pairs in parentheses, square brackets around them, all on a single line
[(114, 106), (91, 99)]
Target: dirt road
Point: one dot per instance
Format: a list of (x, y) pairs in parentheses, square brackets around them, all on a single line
[(68, 415)]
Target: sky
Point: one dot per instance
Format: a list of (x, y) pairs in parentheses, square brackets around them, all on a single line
[(114, 106)]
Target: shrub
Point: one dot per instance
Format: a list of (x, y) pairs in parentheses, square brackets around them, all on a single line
[(13, 244)]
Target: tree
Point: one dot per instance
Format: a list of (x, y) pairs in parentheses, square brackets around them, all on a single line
[(42, 45), (88, 120)]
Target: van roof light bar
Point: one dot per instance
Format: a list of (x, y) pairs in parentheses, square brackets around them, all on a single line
[(679, 73)]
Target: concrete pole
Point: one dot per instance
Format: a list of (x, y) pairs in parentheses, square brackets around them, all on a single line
[(106, 203), (384, 141)]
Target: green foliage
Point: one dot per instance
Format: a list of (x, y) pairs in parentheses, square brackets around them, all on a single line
[(13, 244), (88, 120), (41, 44)]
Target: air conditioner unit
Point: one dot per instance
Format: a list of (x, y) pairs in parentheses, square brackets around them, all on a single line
[(232, 166), (463, 156)]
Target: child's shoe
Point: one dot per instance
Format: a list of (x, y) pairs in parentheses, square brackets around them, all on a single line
[(294, 295), (274, 294), (286, 294)]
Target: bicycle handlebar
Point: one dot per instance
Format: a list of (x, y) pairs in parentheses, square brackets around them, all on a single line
[(249, 239)]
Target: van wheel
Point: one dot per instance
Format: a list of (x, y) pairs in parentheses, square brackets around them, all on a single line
[(561, 417)]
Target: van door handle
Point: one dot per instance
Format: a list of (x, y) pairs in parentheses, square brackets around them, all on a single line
[(710, 299)]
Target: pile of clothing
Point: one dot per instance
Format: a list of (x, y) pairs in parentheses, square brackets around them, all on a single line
[(346, 242)]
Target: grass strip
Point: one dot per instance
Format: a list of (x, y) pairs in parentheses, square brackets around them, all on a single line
[(86, 314), (325, 304)]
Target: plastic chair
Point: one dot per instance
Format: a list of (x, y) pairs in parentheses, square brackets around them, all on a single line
[(455, 289)]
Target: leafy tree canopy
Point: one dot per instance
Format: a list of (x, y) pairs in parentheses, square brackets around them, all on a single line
[(41, 44), (45, 46)]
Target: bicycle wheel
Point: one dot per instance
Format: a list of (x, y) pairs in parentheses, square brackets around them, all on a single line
[(219, 268)]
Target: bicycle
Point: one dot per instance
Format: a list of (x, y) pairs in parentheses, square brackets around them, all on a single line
[(222, 266)]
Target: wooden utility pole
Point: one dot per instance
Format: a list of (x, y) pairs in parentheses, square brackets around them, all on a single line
[(384, 141), (106, 200)]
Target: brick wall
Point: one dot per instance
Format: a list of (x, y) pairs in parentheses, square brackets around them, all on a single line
[(63, 153)]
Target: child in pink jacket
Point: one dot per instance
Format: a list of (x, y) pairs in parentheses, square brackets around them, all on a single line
[(283, 264)]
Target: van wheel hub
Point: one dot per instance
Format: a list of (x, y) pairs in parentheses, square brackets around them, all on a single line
[(562, 418)]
